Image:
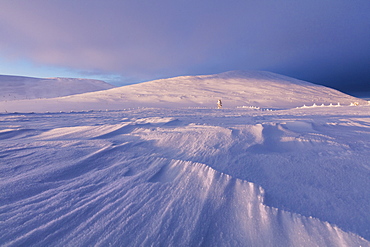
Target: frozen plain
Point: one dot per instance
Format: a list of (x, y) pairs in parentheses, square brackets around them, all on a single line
[(247, 175)]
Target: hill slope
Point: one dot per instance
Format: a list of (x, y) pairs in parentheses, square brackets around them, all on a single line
[(20, 87), (235, 88)]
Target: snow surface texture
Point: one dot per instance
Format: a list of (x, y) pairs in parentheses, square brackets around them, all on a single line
[(186, 177), (19, 87)]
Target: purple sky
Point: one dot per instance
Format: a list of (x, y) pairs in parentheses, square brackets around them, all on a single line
[(322, 41)]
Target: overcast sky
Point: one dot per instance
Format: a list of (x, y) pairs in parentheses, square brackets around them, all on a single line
[(322, 41)]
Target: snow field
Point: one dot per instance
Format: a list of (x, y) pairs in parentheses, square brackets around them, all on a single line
[(185, 177)]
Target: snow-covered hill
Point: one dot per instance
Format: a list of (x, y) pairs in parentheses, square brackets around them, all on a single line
[(19, 87), (235, 88)]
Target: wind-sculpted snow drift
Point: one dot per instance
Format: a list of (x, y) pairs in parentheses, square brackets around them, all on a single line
[(186, 176)]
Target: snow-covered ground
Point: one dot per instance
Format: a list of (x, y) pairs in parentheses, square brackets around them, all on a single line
[(188, 175)]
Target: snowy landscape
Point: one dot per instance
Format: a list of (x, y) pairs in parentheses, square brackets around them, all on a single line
[(284, 162)]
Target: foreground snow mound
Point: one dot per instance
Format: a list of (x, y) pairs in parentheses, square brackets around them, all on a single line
[(185, 177), (235, 89), (19, 87)]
